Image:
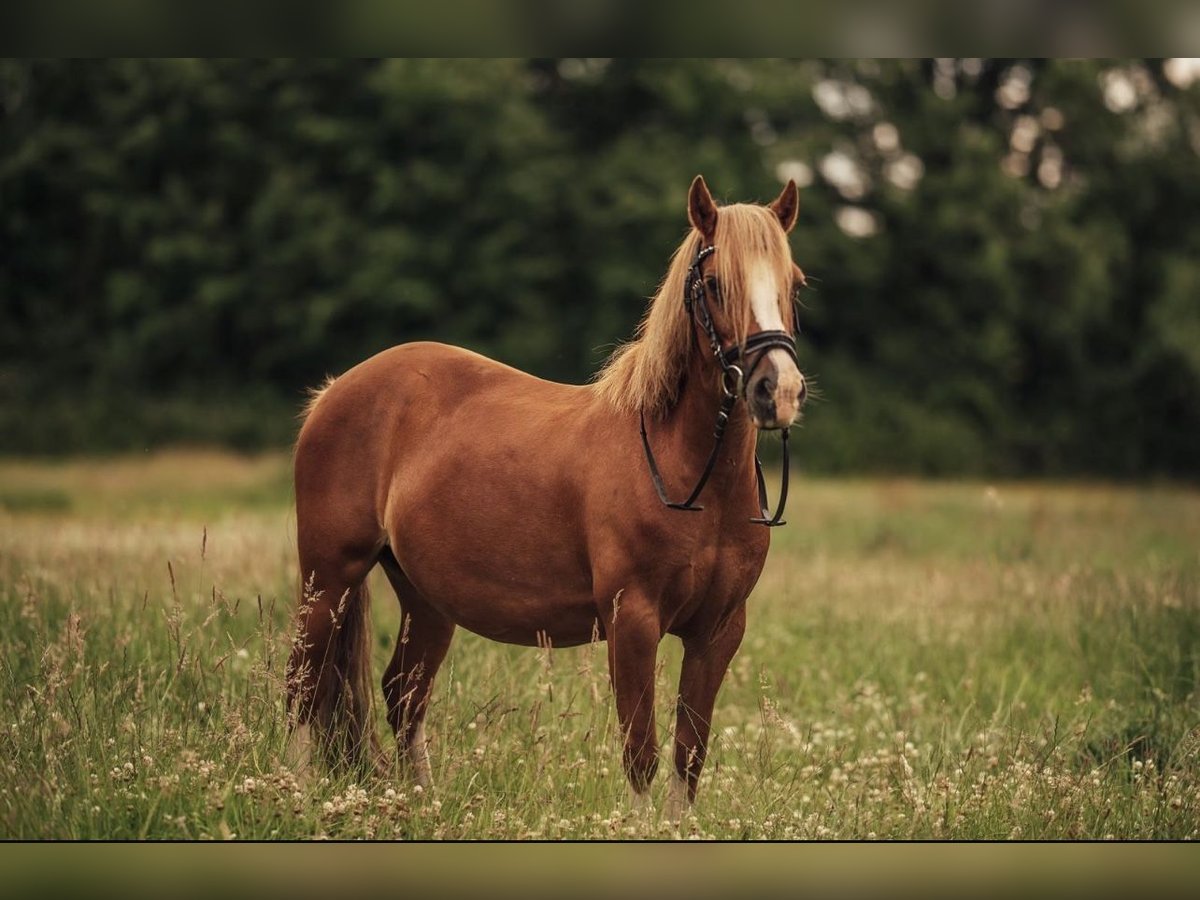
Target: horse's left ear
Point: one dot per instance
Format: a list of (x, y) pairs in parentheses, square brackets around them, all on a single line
[(702, 211), (787, 205)]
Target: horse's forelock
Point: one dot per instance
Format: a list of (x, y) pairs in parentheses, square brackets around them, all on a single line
[(748, 238)]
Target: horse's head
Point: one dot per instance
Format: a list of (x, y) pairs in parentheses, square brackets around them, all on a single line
[(741, 294)]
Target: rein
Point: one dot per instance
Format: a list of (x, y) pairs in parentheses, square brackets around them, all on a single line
[(733, 383)]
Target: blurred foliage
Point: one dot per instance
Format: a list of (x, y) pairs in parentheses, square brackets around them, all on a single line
[(1005, 260)]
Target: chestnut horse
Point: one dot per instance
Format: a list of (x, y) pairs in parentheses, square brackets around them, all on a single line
[(535, 513)]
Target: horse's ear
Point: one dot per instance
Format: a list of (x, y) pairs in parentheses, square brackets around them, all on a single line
[(702, 211), (787, 205)]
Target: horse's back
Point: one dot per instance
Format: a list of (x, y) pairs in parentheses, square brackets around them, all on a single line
[(438, 377), (376, 413)]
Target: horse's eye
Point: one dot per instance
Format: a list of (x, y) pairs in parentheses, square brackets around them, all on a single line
[(713, 287)]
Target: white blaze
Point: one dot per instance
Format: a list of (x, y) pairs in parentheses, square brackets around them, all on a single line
[(764, 304)]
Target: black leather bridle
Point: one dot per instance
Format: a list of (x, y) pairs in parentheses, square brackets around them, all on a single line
[(733, 384)]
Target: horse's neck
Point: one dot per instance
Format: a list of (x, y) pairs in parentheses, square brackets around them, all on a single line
[(692, 421)]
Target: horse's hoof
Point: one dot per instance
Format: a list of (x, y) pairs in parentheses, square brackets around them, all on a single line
[(677, 804), (639, 802), (298, 756), (382, 766)]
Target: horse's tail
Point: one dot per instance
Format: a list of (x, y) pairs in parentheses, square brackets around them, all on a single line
[(353, 658), (314, 397), (341, 709)]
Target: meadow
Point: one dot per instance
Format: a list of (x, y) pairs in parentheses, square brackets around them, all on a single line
[(948, 660)]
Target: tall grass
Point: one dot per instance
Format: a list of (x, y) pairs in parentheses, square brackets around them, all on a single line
[(922, 660)]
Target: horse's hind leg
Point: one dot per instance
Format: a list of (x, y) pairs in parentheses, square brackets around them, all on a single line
[(421, 646), (329, 679)]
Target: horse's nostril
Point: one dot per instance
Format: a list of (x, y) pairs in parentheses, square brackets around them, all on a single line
[(766, 388), (800, 397)]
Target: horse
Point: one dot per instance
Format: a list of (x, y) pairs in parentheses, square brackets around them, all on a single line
[(538, 513)]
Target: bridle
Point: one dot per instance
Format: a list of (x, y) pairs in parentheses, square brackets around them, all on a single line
[(733, 384)]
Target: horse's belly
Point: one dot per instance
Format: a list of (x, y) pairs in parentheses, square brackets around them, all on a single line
[(526, 616), (507, 581), (520, 620)]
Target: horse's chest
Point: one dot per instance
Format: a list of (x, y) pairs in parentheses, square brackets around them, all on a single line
[(729, 571), (720, 577)]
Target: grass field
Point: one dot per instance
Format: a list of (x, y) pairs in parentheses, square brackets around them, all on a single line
[(923, 660)]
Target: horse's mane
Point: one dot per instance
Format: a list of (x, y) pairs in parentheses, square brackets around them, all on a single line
[(645, 374)]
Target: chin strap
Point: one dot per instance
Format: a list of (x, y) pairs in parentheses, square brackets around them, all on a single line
[(776, 519)]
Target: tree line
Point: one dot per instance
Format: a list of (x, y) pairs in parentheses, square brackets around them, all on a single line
[(1005, 260)]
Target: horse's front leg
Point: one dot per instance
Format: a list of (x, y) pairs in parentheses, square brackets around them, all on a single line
[(705, 661), (633, 633)]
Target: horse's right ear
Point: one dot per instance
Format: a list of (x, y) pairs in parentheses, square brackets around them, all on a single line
[(786, 205), (702, 211)]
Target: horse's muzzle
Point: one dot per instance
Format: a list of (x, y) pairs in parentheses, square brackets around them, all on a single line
[(776, 394)]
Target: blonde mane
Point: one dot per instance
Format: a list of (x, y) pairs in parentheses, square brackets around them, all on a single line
[(645, 374)]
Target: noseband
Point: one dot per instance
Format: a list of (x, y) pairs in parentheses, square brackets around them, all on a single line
[(734, 380)]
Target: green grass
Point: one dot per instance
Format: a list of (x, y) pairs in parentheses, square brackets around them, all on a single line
[(922, 660)]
